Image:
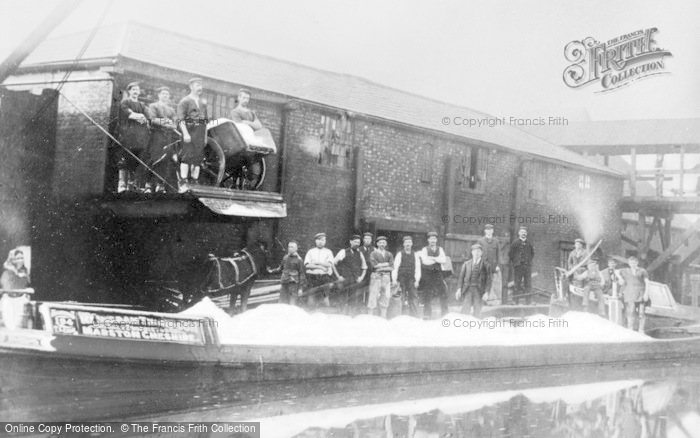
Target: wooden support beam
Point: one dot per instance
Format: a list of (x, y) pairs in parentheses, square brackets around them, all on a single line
[(659, 167), (668, 253), (641, 236), (667, 233), (628, 240), (691, 257), (655, 225)]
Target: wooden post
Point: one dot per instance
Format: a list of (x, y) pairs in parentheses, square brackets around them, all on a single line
[(659, 175), (667, 232), (633, 172), (641, 234), (359, 186)]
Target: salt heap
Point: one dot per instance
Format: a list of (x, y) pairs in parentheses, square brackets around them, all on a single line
[(281, 324)]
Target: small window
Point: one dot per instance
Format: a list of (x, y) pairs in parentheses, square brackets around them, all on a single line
[(535, 175), (336, 141), (473, 169), (584, 181), (426, 170)]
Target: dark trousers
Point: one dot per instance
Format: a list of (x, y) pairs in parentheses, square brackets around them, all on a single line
[(408, 292), (433, 285), (316, 280), (288, 293), (523, 283), (472, 297)]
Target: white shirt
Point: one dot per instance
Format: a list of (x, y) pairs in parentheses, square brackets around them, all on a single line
[(397, 263), (318, 256)]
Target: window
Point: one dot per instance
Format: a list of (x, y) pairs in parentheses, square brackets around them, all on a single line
[(535, 175), (219, 106), (473, 169), (336, 141), (426, 170), (584, 181)]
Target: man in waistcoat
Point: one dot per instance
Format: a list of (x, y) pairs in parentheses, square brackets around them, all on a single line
[(352, 266), (407, 272), (382, 263), (432, 257), (366, 250)]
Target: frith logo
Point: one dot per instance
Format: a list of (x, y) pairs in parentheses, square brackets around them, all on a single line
[(615, 63)]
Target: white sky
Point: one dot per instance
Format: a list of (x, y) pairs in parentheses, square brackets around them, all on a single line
[(501, 57)]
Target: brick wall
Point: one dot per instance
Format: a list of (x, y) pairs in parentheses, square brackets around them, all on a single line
[(81, 148)]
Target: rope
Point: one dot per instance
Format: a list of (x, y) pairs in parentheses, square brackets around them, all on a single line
[(118, 143)]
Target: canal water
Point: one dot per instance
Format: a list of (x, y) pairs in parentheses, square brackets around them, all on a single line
[(659, 399)]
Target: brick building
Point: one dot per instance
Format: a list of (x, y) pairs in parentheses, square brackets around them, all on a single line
[(353, 155)]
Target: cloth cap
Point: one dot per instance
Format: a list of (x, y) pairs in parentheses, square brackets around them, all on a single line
[(159, 89), (580, 241), (368, 234), (193, 80), (380, 238), (132, 85), (432, 234), (406, 238), (488, 227), (319, 235), (294, 242), (592, 261), (355, 237), (246, 91), (476, 246)]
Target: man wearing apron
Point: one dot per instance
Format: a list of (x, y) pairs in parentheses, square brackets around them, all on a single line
[(192, 115)]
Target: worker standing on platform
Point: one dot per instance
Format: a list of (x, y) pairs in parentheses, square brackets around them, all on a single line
[(474, 280), (593, 281), (293, 276), (521, 255), (407, 272), (634, 281), (320, 267), (382, 263), (242, 114), (134, 135), (163, 135), (366, 250), (432, 257), (575, 257), (352, 266), (491, 248), (193, 118)]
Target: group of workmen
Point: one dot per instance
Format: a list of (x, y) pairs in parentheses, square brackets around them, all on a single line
[(631, 284), (366, 275), (154, 137)]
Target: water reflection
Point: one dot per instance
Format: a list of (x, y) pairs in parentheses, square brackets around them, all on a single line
[(457, 406)]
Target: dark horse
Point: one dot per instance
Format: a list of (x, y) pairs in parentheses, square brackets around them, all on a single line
[(231, 276)]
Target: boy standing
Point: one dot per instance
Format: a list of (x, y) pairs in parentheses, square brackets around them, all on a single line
[(593, 281), (293, 277)]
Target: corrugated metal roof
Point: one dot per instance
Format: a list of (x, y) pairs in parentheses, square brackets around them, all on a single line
[(180, 52)]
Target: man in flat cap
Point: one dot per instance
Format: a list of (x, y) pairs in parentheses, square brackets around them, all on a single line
[(164, 136), (242, 114), (192, 115), (320, 267), (521, 255), (491, 250), (134, 134), (474, 280), (352, 266), (407, 272), (432, 257), (575, 257), (593, 281), (382, 263), (366, 249)]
